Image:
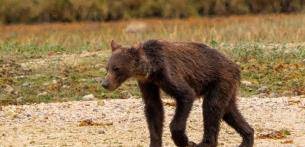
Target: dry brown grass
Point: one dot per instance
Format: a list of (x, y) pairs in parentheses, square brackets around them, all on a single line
[(269, 48)]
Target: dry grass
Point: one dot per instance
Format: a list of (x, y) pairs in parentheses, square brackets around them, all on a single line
[(269, 48)]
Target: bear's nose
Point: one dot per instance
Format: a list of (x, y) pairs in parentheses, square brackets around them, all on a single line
[(105, 84)]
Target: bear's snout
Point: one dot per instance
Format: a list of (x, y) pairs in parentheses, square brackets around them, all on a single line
[(105, 84)]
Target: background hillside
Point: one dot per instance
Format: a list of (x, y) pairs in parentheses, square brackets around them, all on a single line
[(31, 11)]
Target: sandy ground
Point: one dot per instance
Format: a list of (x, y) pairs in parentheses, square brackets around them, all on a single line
[(121, 122)]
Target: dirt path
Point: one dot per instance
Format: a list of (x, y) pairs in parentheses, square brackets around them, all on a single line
[(277, 121)]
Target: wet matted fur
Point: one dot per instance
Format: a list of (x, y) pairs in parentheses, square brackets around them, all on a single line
[(185, 71)]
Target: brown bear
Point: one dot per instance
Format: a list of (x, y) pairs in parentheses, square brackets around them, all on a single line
[(185, 71)]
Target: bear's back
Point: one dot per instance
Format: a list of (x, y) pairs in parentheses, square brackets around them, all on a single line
[(196, 63)]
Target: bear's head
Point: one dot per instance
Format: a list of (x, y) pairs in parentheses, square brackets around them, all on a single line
[(124, 63)]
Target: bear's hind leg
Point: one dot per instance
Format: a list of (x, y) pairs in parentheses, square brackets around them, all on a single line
[(235, 120), (213, 107), (184, 96)]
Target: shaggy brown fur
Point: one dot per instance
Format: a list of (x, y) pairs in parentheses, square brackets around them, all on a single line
[(185, 71)]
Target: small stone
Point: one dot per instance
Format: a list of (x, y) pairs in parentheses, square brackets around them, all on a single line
[(42, 94), (11, 114), (65, 86), (279, 83), (83, 80), (262, 89), (88, 97), (273, 95), (262, 95), (101, 132), (54, 82), (247, 83), (100, 103), (19, 99), (9, 89), (287, 93), (46, 84), (26, 84)]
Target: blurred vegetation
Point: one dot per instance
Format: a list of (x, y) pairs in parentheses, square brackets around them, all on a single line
[(31, 11), (63, 62)]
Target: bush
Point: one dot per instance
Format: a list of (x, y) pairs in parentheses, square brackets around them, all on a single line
[(29, 11)]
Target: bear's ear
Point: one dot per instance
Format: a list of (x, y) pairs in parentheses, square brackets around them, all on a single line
[(114, 45)]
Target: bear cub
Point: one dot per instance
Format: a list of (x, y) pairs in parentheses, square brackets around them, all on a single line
[(185, 71)]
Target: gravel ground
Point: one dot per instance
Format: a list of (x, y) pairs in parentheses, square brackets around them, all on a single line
[(120, 122)]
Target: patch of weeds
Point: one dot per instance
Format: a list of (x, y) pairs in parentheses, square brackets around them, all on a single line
[(281, 134), (213, 43), (267, 57), (280, 69)]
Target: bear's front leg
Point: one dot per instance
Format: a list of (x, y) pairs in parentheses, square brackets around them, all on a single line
[(153, 111)]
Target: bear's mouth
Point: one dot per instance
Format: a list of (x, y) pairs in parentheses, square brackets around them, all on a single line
[(112, 88), (109, 87)]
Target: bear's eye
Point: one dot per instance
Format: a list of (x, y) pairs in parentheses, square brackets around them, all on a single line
[(115, 69)]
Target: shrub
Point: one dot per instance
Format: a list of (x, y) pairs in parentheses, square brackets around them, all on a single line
[(28, 11)]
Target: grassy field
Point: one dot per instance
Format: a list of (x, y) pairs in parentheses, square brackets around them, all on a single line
[(62, 62)]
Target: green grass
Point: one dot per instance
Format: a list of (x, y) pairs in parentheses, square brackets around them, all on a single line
[(61, 62)]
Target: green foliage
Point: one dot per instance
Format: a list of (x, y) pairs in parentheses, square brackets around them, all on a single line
[(29, 11)]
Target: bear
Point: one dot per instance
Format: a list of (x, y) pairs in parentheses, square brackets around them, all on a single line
[(185, 71)]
